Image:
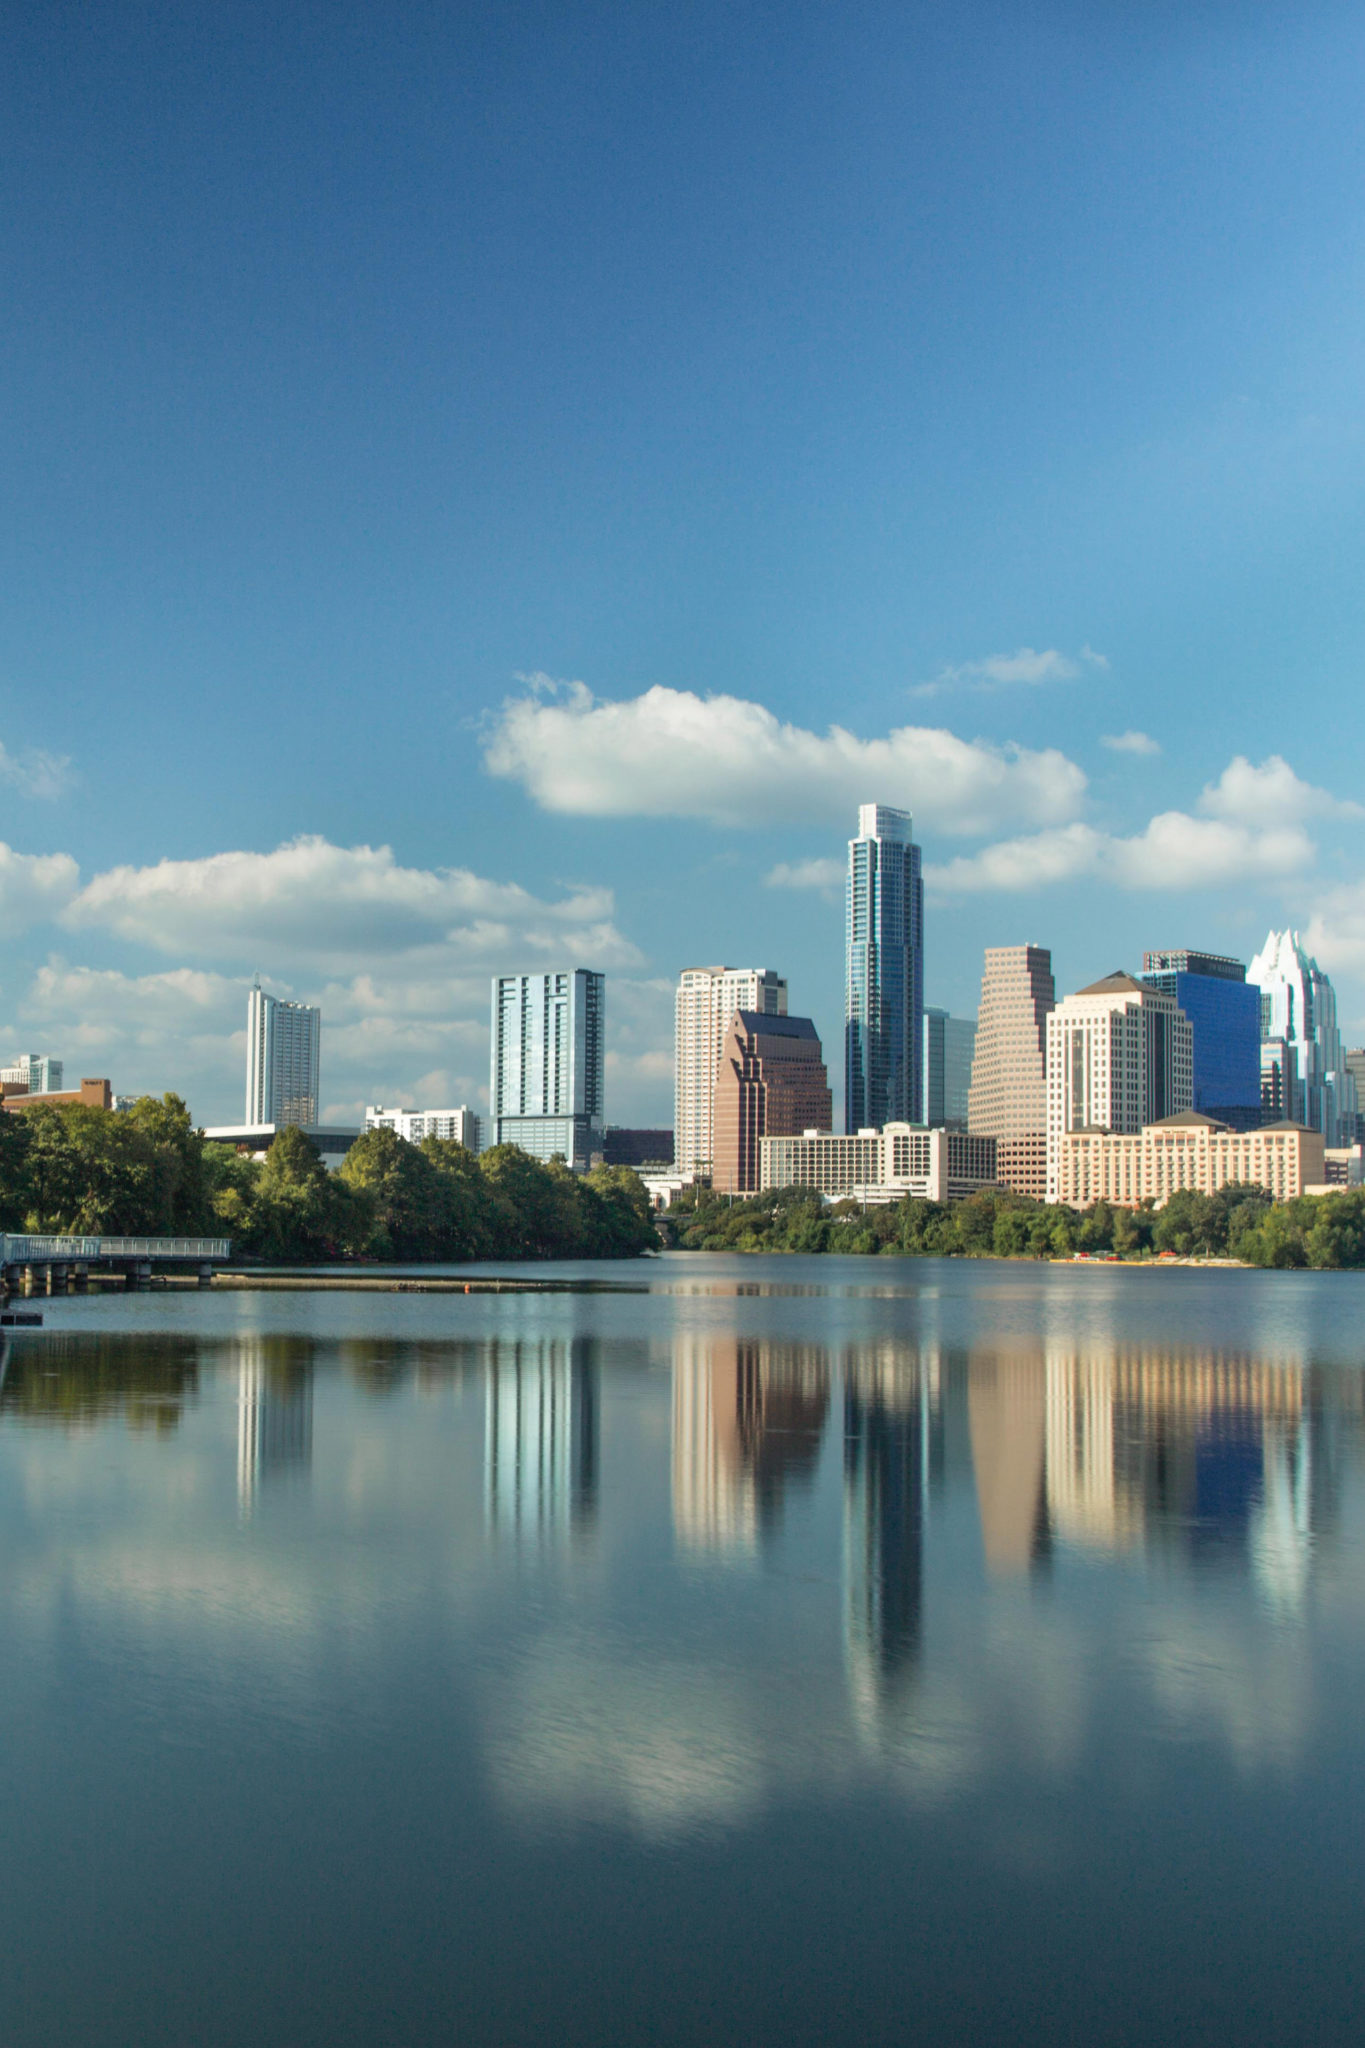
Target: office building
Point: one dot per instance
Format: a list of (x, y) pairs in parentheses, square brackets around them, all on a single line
[(1299, 1005), (1224, 1010), (457, 1126), (771, 1082), (881, 1166), (707, 999), (330, 1141), (283, 1058), (35, 1072), (1355, 1067), (94, 1094), (545, 1088), (623, 1146), (1185, 1151), (884, 1012), (1279, 1082), (1118, 1057), (1007, 1100), (949, 1043)]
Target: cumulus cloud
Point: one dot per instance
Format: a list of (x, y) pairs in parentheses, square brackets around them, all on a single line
[(825, 875), (310, 903), (1270, 795), (671, 753), (1336, 930), (35, 772), (33, 887), (1175, 851), (1129, 743)]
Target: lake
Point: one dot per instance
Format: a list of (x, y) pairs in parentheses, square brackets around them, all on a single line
[(794, 1651)]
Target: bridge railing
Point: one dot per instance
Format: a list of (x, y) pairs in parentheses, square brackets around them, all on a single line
[(21, 1250)]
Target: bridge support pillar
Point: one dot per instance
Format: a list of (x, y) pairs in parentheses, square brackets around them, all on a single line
[(80, 1277), (206, 1275), (144, 1273), (29, 1280)]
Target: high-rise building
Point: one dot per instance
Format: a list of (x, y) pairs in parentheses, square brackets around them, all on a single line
[(1355, 1067), (1299, 1004), (35, 1072), (283, 1056), (1279, 1082), (1225, 1017), (949, 1043), (883, 1031), (545, 1088), (1118, 1058), (707, 999), (459, 1126), (1008, 1095), (771, 1082)]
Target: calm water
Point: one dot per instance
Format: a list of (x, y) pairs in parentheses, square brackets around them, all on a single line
[(801, 1651)]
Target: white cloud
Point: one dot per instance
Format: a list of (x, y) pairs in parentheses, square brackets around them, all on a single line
[(1336, 930), (36, 772), (310, 904), (1175, 851), (825, 875), (671, 753), (1027, 665), (1270, 795), (33, 887), (1129, 743)]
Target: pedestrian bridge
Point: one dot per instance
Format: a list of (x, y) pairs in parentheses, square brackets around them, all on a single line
[(32, 1263)]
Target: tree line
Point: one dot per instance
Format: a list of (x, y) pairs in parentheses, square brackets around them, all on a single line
[(147, 1171), (1237, 1222)]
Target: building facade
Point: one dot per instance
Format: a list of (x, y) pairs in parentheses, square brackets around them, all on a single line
[(707, 999), (771, 1081), (949, 1043), (1119, 1056), (547, 1056), (1298, 1004), (457, 1126), (1007, 1099), (884, 1001), (880, 1166), (623, 1145), (35, 1072), (1224, 1010), (1185, 1151), (283, 1060)]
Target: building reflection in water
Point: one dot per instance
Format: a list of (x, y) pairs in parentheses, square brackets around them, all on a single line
[(1007, 1420), (274, 1412), (748, 1418), (888, 1400), (540, 1439)]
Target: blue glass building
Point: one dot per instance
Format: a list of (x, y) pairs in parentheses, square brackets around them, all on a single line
[(1224, 1010), (884, 1029)]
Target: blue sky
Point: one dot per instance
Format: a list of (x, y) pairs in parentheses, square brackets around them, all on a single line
[(691, 381)]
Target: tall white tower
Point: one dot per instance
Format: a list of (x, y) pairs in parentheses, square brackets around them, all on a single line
[(708, 998), (283, 1057)]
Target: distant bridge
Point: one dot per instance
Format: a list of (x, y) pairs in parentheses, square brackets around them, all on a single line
[(54, 1265)]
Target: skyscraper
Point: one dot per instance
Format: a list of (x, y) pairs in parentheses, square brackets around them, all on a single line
[(1008, 1098), (283, 1055), (1118, 1057), (1225, 1017), (707, 999), (949, 1043), (883, 1033), (545, 1088), (1299, 1005), (771, 1082)]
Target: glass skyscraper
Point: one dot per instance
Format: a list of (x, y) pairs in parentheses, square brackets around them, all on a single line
[(884, 1028), (546, 1081), (283, 1057), (1225, 1017)]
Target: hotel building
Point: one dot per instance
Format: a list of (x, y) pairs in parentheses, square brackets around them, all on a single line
[(880, 1166), (1185, 1151), (1119, 1057)]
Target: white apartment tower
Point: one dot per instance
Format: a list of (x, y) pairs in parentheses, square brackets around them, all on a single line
[(1120, 1055), (283, 1054), (708, 998)]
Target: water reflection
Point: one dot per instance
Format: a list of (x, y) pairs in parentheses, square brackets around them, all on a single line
[(274, 1412), (886, 1443), (747, 1424), (540, 1441)]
